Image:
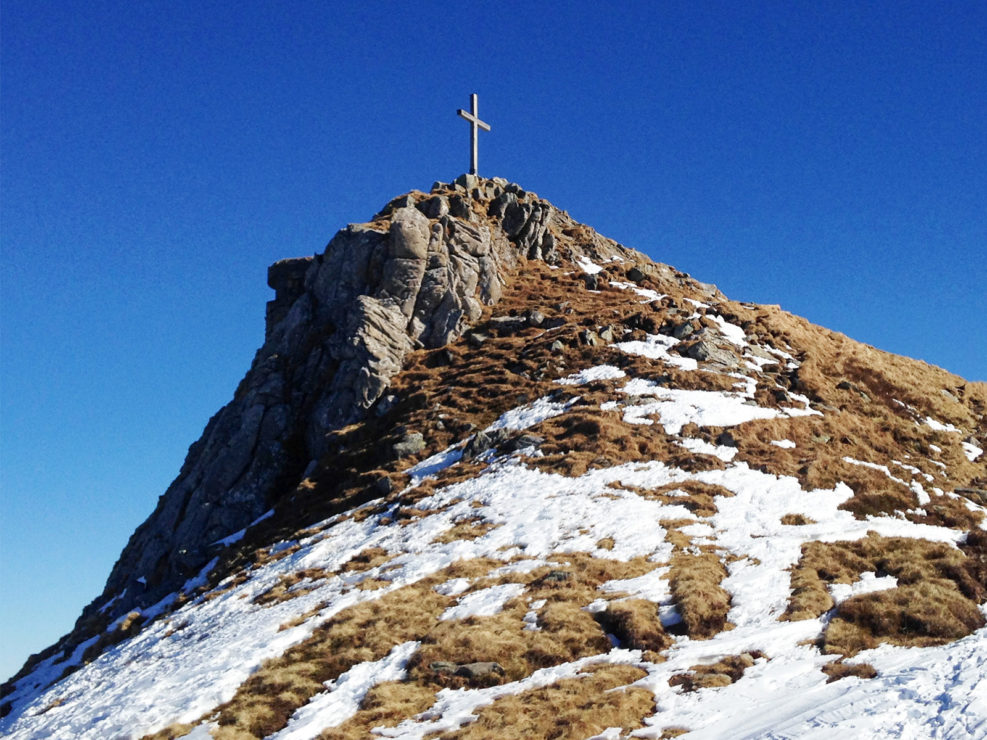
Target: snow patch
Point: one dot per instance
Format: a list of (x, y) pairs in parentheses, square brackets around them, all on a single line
[(531, 616), (600, 372), (646, 293), (435, 464), (731, 332), (483, 603), (702, 447), (655, 347), (453, 587), (587, 265), (939, 426), (531, 414), (333, 707), (971, 451), (869, 583), (676, 407), (652, 586)]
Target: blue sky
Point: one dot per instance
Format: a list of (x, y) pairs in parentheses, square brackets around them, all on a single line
[(156, 157)]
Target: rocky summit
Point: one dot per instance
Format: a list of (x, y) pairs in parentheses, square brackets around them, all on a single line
[(494, 475)]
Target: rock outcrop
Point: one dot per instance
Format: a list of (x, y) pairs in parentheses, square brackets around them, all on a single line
[(341, 323)]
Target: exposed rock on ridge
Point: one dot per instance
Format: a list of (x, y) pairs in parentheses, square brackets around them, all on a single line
[(337, 331)]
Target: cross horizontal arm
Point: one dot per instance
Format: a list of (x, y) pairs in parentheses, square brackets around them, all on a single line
[(472, 119)]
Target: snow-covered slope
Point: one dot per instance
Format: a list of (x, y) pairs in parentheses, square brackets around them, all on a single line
[(617, 527)]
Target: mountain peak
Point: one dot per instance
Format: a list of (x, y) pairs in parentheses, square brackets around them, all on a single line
[(485, 448)]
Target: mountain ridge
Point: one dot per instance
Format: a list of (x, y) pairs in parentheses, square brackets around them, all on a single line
[(548, 303)]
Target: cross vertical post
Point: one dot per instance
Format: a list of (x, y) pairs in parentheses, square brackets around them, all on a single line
[(475, 124)]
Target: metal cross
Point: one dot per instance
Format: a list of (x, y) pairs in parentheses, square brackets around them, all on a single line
[(476, 124)]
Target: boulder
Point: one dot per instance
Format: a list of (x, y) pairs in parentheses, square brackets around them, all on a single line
[(589, 338), (485, 669), (443, 666), (523, 441), (705, 350), (534, 317), (506, 325), (476, 339), (410, 444), (467, 181), (636, 274), (435, 207), (485, 440)]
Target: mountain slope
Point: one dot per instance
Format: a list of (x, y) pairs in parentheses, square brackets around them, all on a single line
[(522, 482)]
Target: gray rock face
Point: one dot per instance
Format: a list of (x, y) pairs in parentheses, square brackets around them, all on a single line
[(410, 444), (705, 350), (337, 331), (485, 669), (480, 670), (485, 440)]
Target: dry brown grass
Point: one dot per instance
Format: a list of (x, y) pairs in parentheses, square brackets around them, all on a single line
[(635, 624), (586, 438), (723, 672), (701, 601), (862, 388), (838, 669), (292, 585), (817, 460), (568, 709), (365, 560), (939, 588), (698, 497), (171, 732), (919, 615), (385, 705), (796, 520), (566, 632), (944, 511), (677, 539), (364, 632), (470, 529), (367, 631), (881, 376), (911, 561)]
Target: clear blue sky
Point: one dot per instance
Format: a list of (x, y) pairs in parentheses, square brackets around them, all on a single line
[(157, 156)]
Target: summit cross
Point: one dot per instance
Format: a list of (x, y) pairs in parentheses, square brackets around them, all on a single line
[(475, 125)]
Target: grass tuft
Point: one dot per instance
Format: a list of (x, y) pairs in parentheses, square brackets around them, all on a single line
[(570, 709), (838, 669), (721, 673), (695, 585)]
